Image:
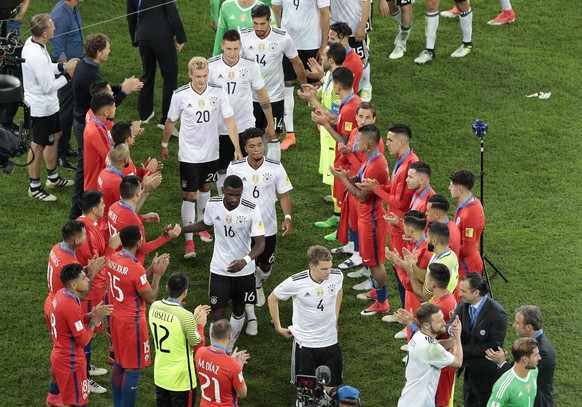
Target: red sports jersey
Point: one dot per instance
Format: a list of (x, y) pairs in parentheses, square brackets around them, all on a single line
[(98, 142), (470, 219), (418, 203), (355, 158), (109, 181), (219, 376), (354, 64), (126, 277), (375, 167), (59, 257), (419, 249), (120, 215), (454, 237)]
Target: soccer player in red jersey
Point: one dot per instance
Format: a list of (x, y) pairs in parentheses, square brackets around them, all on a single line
[(219, 372), (437, 209), (71, 330), (97, 138), (123, 213), (129, 291), (340, 32), (371, 223), (470, 219)]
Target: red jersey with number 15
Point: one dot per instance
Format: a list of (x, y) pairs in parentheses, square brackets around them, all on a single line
[(219, 376)]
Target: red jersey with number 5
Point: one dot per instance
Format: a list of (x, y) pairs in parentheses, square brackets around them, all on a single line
[(219, 376)]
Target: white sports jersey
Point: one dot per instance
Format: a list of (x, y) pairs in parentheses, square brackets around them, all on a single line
[(200, 115), (268, 53), (347, 11), (238, 82), (314, 307), (232, 234), (301, 21), (261, 187), (426, 358)]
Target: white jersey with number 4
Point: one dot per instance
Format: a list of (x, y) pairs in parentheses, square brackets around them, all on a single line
[(301, 21), (347, 11), (426, 358), (233, 231), (268, 53), (200, 116), (314, 307), (238, 81), (261, 187)]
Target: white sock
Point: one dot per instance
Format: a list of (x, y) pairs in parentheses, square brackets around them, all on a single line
[(289, 107), (466, 19), (237, 325), (432, 23), (188, 215), (365, 81), (274, 150), (220, 182), (506, 5), (356, 258), (261, 276), (210, 333), (349, 247), (203, 198), (250, 311), (397, 16)]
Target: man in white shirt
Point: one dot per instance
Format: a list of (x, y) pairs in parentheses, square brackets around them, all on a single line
[(263, 180), (317, 295), (427, 356), (40, 92), (201, 107)]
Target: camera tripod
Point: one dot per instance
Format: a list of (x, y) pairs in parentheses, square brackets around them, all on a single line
[(480, 130)]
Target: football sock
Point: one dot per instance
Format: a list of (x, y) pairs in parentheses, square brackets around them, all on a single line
[(188, 215), (397, 16), (34, 183), (274, 150), (261, 276), (365, 81), (505, 5), (354, 240), (432, 23), (116, 383), (88, 350), (210, 333), (466, 18), (250, 311), (202, 198), (129, 388), (236, 322), (220, 182), (289, 108), (52, 175), (54, 388), (404, 33), (382, 293)]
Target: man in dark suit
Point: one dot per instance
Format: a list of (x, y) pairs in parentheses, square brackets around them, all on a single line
[(528, 324), (153, 24), (484, 324)]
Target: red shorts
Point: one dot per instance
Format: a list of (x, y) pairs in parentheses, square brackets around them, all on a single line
[(86, 307), (131, 343), (445, 387), (353, 205), (74, 386), (47, 310), (472, 262), (396, 242), (372, 238)]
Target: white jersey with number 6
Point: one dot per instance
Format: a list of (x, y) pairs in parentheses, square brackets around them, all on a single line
[(233, 231), (314, 307), (261, 187), (301, 21)]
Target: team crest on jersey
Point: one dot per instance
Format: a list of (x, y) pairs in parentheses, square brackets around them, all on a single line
[(231, 75), (201, 104), (331, 289), (261, 47), (267, 177), (243, 73), (527, 387), (243, 17), (320, 292), (213, 300), (255, 179), (228, 219), (273, 46), (213, 101), (458, 221), (240, 221)]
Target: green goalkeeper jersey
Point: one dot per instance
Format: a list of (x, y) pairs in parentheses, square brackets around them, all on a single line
[(511, 390)]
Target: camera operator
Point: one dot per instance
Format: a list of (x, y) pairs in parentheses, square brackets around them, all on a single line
[(40, 92)]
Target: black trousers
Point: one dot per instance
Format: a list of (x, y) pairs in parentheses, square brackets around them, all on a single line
[(162, 52), (79, 175), (167, 398), (65, 95)]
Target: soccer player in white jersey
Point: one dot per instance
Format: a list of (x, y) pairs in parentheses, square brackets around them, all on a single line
[(237, 222), (427, 356), (239, 76), (317, 296), (307, 22), (201, 106), (267, 45), (263, 179), (356, 13)]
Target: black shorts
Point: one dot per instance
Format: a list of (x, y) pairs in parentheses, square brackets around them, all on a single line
[(304, 55), (168, 398), (403, 2), (193, 176), (241, 290), (305, 360), (278, 109), (44, 129), (226, 150), (361, 48), (268, 255)]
